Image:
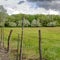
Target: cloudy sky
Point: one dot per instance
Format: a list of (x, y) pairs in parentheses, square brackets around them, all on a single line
[(31, 6)]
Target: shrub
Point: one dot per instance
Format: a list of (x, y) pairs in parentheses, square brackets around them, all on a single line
[(25, 22), (1, 24), (11, 24), (35, 23), (52, 24), (44, 23), (58, 24), (19, 23)]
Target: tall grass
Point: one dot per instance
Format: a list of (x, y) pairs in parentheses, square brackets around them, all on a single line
[(50, 42)]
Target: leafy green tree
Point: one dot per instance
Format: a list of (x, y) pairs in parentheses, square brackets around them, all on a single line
[(40, 19), (52, 24), (11, 24), (35, 23), (2, 15), (25, 22)]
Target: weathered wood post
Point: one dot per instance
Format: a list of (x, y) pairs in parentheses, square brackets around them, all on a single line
[(17, 57), (20, 58), (40, 48), (0, 37), (3, 36), (8, 44)]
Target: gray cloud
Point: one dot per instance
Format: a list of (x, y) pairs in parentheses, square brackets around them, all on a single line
[(32, 6), (42, 0), (47, 4), (20, 2)]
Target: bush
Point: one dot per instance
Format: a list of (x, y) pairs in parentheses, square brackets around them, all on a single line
[(1, 24), (52, 24), (58, 24), (10, 24), (25, 22), (44, 23), (19, 23), (35, 23)]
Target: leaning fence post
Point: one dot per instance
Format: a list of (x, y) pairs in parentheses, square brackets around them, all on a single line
[(40, 48), (8, 45)]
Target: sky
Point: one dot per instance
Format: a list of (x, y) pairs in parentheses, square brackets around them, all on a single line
[(31, 6)]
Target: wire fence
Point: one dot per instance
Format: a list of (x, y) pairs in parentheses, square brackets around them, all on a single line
[(30, 47), (33, 48)]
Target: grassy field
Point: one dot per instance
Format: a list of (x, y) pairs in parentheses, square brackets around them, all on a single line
[(50, 42)]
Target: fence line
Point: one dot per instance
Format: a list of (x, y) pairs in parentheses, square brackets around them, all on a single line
[(20, 45)]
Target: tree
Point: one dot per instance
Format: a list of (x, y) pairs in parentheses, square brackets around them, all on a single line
[(35, 23), (2, 21), (25, 22), (3, 15)]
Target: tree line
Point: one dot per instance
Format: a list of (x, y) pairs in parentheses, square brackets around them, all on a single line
[(38, 20)]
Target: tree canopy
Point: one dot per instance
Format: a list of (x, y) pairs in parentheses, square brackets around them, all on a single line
[(3, 15)]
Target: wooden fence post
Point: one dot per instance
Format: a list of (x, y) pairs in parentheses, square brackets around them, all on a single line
[(20, 58), (40, 48), (3, 37), (8, 45), (0, 37), (17, 57)]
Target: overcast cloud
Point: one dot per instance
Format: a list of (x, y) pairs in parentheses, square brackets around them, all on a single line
[(47, 4), (31, 6)]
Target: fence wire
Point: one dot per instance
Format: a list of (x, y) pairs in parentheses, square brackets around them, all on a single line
[(30, 49)]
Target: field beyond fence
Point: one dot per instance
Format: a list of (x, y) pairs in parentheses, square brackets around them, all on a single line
[(50, 42)]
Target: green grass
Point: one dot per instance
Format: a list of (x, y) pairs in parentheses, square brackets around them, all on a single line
[(50, 42)]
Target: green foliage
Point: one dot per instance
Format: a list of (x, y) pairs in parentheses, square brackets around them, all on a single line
[(10, 24), (40, 20), (35, 23), (50, 42), (25, 22), (52, 24), (3, 15)]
